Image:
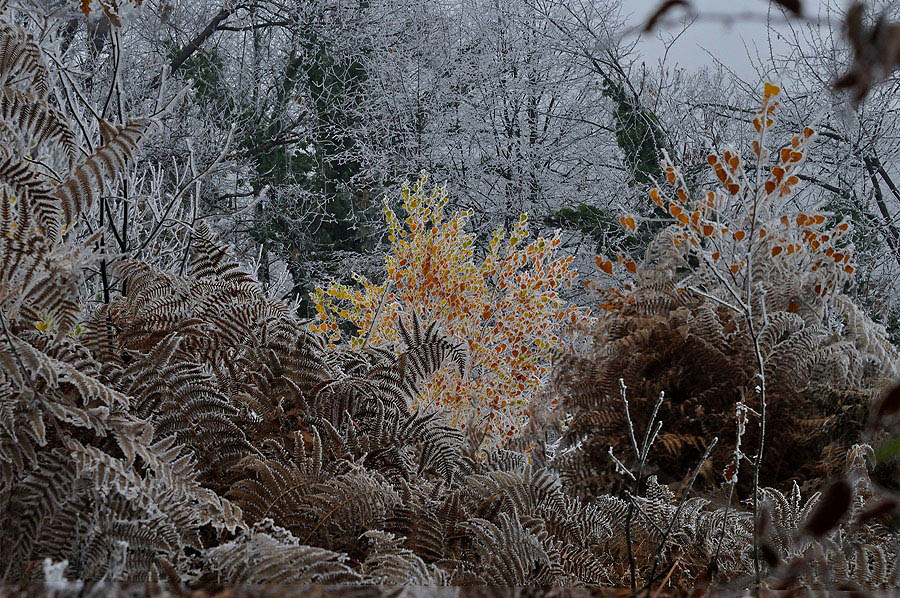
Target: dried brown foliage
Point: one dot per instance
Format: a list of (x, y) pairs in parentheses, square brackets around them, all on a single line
[(192, 435)]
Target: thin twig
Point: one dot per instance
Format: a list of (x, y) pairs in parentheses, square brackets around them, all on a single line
[(645, 449), (622, 388), (637, 506), (387, 286)]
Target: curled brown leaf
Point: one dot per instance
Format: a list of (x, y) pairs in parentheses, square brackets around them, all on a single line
[(829, 511), (794, 7), (661, 11), (888, 406)]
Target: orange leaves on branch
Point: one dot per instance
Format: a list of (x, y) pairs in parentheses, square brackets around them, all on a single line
[(506, 308), (767, 237)]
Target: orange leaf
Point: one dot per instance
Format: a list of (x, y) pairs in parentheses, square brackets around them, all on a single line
[(738, 235), (776, 250), (735, 268), (720, 172), (715, 256), (770, 91), (627, 222), (631, 267), (604, 264)]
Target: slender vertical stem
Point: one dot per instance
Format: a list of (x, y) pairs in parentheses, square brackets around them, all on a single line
[(387, 287), (642, 459), (757, 461), (758, 196)]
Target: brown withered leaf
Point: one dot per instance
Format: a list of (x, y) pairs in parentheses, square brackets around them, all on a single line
[(854, 26), (829, 511), (876, 52), (888, 406), (769, 554), (661, 12), (792, 6)]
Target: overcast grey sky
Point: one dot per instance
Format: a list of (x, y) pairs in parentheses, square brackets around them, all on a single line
[(729, 43)]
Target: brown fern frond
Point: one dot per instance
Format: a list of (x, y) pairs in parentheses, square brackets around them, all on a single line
[(33, 192), (79, 191), (211, 259), (21, 60), (36, 120), (277, 558)]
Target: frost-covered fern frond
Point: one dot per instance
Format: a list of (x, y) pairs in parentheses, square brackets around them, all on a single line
[(85, 479), (509, 555), (22, 60), (269, 555)]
